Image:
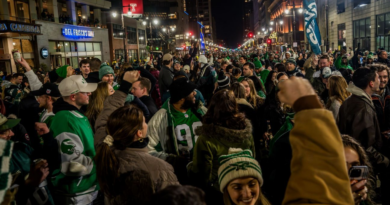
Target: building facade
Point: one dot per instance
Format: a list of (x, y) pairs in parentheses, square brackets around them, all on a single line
[(364, 22), (201, 19)]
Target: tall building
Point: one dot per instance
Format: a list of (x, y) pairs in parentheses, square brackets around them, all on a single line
[(359, 21), (200, 16), (248, 17), (264, 20), (167, 24), (51, 33)]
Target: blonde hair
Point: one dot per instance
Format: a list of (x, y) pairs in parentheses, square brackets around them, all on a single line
[(253, 97), (96, 102), (262, 200), (337, 89)]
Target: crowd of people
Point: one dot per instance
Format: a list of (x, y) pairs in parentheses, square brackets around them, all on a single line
[(252, 127)]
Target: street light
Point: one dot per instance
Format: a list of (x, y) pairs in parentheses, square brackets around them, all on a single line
[(281, 22), (270, 29), (173, 29), (258, 33), (272, 23), (164, 29), (144, 23), (114, 14), (263, 29), (300, 10), (286, 11), (155, 21)]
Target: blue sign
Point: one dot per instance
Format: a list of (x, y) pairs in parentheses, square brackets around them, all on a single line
[(77, 33), (311, 27), (44, 53)]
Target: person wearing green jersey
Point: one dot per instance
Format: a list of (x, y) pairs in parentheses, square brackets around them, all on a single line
[(47, 95), (172, 129), (74, 181)]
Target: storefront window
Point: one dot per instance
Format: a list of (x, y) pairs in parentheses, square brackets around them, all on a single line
[(131, 35), (118, 52), (118, 31), (133, 55), (361, 33), (80, 46), (143, 54), (383, 31), (71, 53), (141, 37)]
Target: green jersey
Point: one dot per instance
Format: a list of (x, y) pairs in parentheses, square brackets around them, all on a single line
[(185, 125), (46, 117)]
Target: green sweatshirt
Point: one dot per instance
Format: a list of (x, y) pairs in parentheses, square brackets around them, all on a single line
[(77, 173)]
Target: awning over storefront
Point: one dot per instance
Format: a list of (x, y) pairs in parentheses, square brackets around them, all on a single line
[(15, 28)]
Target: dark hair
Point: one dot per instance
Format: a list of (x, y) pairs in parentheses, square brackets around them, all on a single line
[(258, 85), (179, 195), (223, 111), (280, 67), (16, 75), (122, 125), (325, 57), (268, 82), (238, 90), (280, 75), (167, 62), (236, 71), (224, 63), (244, 57), (95, 64), (229, 67), (84, 61), (145, 83), (251, 65), (363, 76)]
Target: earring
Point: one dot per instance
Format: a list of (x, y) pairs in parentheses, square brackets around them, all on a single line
[(141, 140)]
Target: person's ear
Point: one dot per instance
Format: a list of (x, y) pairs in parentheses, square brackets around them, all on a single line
[(371, 84), (139, 134)]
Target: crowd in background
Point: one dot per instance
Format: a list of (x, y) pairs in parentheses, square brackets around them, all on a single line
[(251, 127)]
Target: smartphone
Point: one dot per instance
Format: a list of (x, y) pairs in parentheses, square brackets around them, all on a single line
[(358, 173)]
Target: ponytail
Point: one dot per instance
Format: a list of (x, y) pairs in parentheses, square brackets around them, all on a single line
[(107, 169)]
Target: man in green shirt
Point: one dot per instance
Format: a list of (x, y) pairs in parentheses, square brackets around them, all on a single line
[(46, 96)]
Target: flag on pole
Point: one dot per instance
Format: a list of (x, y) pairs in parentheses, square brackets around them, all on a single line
[(311, 28)]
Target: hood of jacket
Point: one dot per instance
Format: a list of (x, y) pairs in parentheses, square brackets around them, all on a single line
[(226, 136), (360, 93), (61, 105), (243, 101)]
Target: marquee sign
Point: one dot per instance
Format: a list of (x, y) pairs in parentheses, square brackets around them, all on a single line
[(77, 33), (16, 27)]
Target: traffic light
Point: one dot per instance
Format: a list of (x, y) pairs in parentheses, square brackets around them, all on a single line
[(250, 35), (239, 45), (269, 41), (190, 33)]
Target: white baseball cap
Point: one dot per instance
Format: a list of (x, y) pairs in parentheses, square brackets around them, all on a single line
[(75, 84)]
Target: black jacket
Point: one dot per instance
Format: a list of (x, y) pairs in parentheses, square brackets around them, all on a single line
[(93, 77), (383, 61), (29, 115), (149, 103), (358, 119)]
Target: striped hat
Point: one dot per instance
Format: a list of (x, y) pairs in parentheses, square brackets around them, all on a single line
[(237, 164), (223, 80)]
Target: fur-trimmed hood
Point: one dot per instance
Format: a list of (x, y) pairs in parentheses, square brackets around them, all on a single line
[(228, 137)]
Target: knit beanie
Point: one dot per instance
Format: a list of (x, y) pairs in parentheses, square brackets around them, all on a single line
[(104, 70), (257, 63), (370, 57), (292, 60), (223, 80), (237, 164), (62, 71)]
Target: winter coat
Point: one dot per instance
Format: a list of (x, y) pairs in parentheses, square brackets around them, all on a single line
[(357, 118), (213, 142), (383, 61), (156, 92), (382, 107), (130, 159), (93, 77), (165, 79), (327, 172), (334, 107), (294, 72)]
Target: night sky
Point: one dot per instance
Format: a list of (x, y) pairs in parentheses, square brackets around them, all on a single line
[(228, 19)]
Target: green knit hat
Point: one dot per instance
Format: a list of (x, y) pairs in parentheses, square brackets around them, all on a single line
[(104, 70), (370, 57), (291, 60), (257, 63), (237, 164), (62, 71)]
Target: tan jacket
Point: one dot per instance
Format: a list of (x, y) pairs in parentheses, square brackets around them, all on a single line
[(318, 168)]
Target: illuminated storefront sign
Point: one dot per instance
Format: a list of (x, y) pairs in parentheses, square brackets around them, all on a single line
[(77, 33), (9, 26)]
